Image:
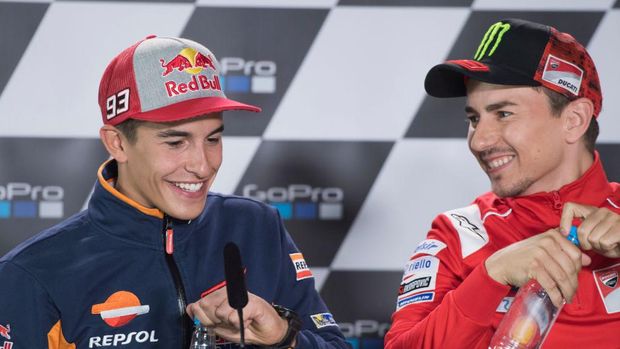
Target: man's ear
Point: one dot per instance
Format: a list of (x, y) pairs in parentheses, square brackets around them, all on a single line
[(115, 142), (577, 116)]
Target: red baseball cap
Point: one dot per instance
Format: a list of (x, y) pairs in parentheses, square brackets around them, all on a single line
[(519, 52), (163, 79)]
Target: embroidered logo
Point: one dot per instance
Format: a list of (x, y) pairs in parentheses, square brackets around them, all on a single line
[(301, 268), (494, 36), (120, 308)]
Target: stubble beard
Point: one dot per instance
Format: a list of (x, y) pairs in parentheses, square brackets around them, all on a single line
[(512, 189)]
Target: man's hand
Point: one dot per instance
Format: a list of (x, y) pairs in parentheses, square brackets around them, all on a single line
[(547, 257), (599, 230), (263, 326)]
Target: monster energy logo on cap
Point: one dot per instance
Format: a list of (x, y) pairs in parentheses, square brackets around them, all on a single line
[(493, 34)]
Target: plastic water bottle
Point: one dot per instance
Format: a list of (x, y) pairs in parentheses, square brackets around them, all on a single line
[(531, 315), (202, 337)]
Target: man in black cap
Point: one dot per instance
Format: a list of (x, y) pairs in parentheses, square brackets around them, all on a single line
[(533, 96)]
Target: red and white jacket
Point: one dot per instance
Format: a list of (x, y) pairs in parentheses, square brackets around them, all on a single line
[(447, 299)]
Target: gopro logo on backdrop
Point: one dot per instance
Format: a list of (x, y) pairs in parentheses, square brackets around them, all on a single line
[(365, 334), (301, 201), (23, 200), (243, 76)]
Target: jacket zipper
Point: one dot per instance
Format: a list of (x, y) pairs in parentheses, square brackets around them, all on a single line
[(168, 234), (557, 201)]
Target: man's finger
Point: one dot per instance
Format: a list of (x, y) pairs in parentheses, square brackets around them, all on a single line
[(585, 259), (562, 272), (196, 312), (572, 210), (572, 252), (596, 232), (546, 281), (568, 279)]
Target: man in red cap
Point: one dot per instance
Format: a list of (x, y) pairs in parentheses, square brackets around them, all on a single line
[(533, 97), (146, 258)]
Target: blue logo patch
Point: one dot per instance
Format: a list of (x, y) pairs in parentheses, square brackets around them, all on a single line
[(416, 298)]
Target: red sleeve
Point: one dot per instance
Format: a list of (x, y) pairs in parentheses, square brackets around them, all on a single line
[(462, 307)]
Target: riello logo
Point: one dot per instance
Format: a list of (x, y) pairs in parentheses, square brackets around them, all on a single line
[(24, 200), (301, 201)]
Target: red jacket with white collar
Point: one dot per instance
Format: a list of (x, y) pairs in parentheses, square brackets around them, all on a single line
[(447, 299)]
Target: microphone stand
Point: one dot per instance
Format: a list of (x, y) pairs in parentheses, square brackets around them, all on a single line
[(241, 328), (235, 284)]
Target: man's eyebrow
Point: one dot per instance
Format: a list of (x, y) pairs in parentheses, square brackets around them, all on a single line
[(177, 133), (498, 105), (217, 130), (490, 107), (172, 133)]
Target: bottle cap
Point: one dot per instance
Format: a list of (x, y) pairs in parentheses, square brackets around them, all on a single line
[(572, 236)]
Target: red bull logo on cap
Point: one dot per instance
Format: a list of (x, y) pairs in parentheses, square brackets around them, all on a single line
[(120, 308), (191, 62)]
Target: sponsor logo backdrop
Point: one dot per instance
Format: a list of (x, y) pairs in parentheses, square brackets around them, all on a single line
[(349, 148)]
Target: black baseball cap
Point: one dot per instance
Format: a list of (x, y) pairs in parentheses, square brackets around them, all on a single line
[(519, 52)]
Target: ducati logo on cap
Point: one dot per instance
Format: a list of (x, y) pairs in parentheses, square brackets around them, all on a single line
[(563, 74)]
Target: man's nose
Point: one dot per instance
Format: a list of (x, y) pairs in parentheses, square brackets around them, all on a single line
[(197, 161), (484, 136)]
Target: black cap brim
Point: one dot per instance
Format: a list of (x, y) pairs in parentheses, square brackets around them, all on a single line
[(448, 79)]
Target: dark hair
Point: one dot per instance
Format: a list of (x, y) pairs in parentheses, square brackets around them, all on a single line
[(558, 102), (129, 129)]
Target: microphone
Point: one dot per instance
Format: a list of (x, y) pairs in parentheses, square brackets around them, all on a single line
[(235, 283)]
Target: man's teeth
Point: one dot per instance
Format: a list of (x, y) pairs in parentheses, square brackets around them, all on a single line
[(192, 187), (499, 162)]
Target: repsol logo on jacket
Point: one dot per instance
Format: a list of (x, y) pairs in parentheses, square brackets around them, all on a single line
[(113, 340)]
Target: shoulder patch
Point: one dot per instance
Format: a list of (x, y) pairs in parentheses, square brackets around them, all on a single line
[(423, 265), (468, 224), (323, 320), (301, 268), (416, 298), (418, 281), (429, 246)]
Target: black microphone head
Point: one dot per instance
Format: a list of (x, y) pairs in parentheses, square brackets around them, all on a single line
[(235, 278)]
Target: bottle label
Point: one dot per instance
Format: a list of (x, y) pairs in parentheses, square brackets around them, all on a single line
[(541, 309)]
